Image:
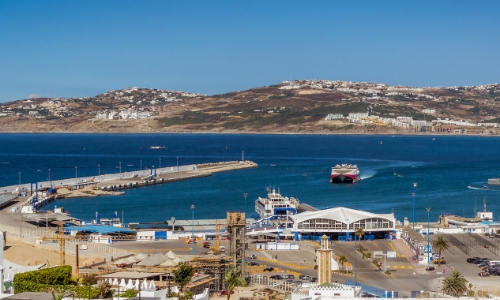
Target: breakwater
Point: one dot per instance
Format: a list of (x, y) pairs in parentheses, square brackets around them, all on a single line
[(112, 184)]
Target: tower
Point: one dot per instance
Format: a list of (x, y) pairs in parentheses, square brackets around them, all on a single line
[(324, 262), (236, 235)]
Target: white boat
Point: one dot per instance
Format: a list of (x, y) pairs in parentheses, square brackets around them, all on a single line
[(494, 181), (276, 205), (345, 173)]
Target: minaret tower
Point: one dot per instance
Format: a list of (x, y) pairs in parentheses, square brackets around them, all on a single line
[(324, 262)]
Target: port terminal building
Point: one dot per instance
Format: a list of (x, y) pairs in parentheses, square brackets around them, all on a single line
[(341, 223)]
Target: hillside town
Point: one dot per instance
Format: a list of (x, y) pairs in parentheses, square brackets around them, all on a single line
[(298, 106)]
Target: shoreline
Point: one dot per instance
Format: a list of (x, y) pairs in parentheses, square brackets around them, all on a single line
[(249, 133)]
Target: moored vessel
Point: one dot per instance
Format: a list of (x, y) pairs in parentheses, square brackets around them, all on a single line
[(345, 173), (494, 181), (275, 205)]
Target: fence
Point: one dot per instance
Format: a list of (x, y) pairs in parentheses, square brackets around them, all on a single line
[(285, 285)]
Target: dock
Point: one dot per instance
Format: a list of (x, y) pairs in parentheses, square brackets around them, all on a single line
[(113, 184), (304, 207)]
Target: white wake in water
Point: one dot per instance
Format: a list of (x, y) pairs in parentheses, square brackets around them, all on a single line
[(368, 174)]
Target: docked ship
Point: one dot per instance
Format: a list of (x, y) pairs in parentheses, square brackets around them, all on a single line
[(494, 181), (345, 173), (275, 205)]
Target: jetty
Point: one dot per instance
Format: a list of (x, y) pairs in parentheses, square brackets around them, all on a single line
[(115, 184)]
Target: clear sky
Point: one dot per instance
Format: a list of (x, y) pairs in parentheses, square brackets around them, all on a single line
[(84, 48)]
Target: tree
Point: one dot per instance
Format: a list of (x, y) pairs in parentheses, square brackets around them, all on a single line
[(233, 279), (342, 260), (455, 284), (440, 244), (183, 274), (360, 232)]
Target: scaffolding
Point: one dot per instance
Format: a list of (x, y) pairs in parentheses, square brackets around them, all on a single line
[(236, 235), (214, 264)]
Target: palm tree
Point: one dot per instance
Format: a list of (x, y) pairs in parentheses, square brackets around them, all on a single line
[(455, 284), (360, 232), (233, 279), (440, 244), (342, 260)]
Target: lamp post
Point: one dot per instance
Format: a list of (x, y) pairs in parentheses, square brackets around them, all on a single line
[(19, 179), (141, 165), (76, 174), (245, 195), (355, 261), (159, 164), (120, 163), (428, 209), (50, 184), (192, 229), (177, 163), (99, 170), (413, 221)]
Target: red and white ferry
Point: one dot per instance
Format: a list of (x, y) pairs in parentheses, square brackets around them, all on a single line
[(345, 173)]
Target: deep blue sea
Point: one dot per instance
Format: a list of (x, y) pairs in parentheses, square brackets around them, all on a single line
[(442, 168)]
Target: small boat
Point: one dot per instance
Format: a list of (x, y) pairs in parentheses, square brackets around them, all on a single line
[(396, 174), (130, 165), (305, 174), (433, 139), (414, 184), (485, 187), (156, 147), (273, 165)]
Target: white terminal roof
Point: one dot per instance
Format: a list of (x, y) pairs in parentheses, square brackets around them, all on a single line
[(341, 214)]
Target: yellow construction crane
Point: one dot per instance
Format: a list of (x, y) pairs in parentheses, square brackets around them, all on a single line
[(61, 238)]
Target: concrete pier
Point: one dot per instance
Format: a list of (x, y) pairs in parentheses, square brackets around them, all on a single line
[(115, 183)]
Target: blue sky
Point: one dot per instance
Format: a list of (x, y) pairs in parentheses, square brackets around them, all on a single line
[(84, 48)]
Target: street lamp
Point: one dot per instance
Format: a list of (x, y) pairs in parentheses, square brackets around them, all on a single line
[(76, 174), (245, 195), (50, 184), (120, 169), (19, 179), (192, 229), (99, 170), (159, 165), (355, 260), (141, 166), (177, 163), (428, 209), (413, 196)]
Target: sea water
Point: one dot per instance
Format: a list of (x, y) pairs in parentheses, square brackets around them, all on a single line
[(434, 171)]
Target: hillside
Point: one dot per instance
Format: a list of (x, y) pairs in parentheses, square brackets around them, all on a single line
[(302, 106)]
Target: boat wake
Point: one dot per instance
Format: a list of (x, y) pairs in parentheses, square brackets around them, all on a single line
[(368, 174), (485, 188)]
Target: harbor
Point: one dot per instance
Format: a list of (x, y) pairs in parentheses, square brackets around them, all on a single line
[(109, 184)]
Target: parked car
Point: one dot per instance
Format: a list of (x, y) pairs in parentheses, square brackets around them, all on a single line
[(313, 279), (252, 256), (472, 259), (484, 274), (482, 264), (252, 263), (305, 277), (277, 277), (269, 269), (430, 268), (288, 276)]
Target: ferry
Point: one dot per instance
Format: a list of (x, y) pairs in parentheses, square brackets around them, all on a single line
[(156, 147), (345, 173), (275, 205)]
